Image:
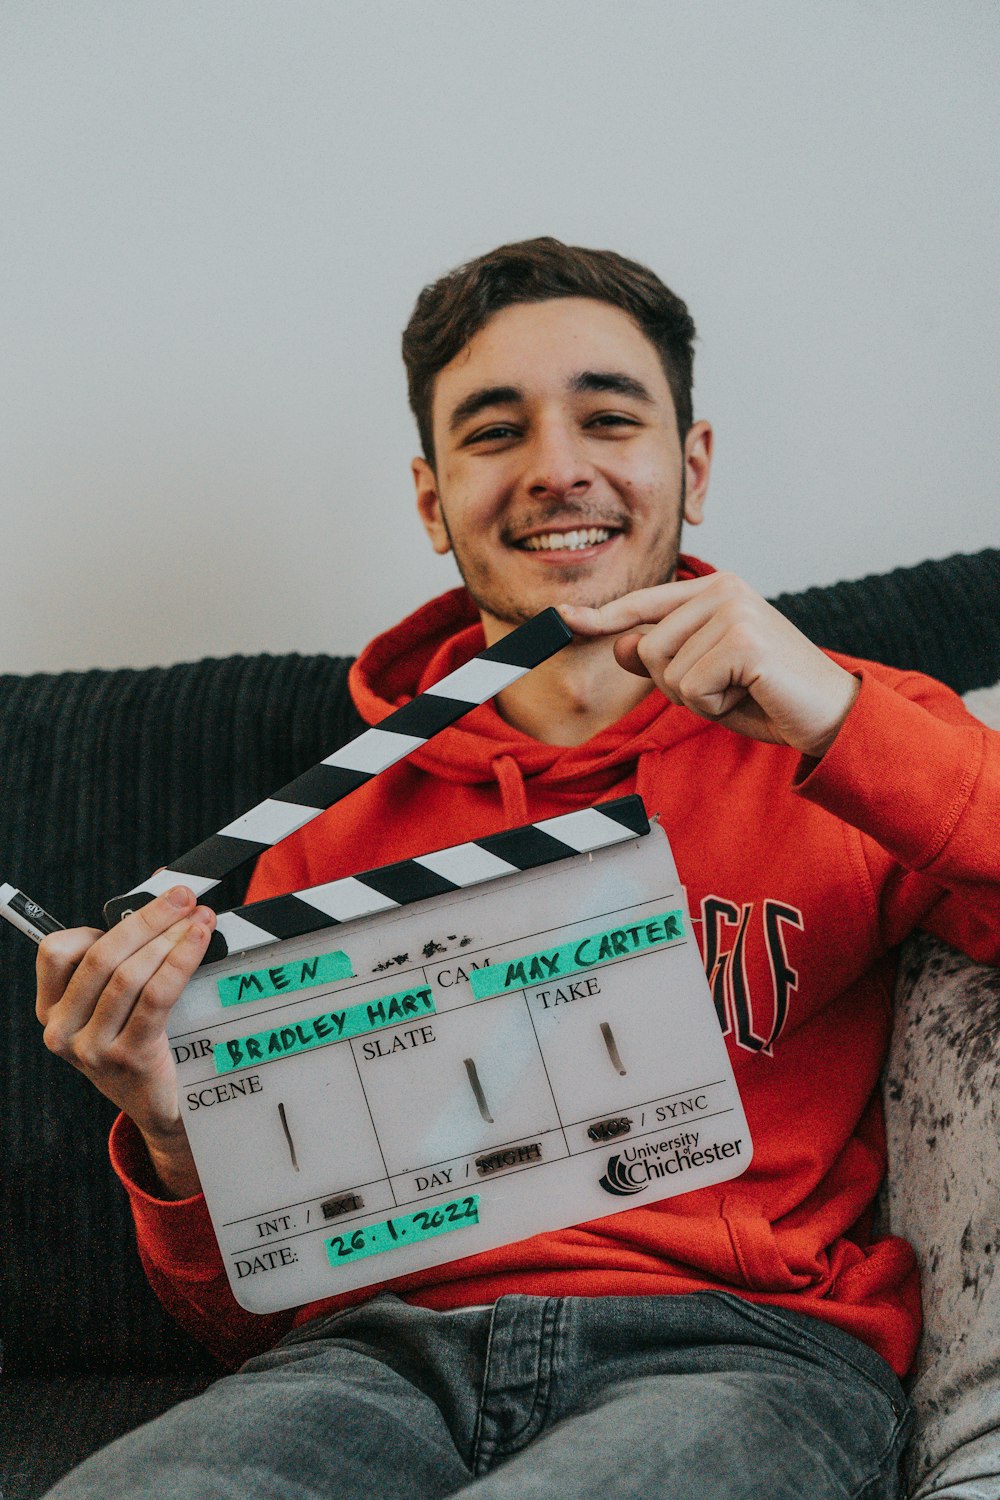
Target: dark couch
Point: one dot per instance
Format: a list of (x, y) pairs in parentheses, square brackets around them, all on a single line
[(105, 776)]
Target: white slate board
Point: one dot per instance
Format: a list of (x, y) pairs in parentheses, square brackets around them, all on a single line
[(360, 1145)]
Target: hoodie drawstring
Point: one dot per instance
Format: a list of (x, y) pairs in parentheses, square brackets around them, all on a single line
[(513, 796)]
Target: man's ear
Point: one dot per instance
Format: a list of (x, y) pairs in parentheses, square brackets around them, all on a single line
[(697, 467), (429, 505)]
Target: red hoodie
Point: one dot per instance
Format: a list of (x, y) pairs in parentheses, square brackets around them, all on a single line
[(802, 877)]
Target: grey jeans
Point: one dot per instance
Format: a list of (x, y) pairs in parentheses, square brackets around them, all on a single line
[(537, 1398)]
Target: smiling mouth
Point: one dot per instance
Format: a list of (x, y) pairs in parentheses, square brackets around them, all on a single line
[(566, 541)]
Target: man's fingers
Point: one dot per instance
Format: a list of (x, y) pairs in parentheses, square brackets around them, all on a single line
[(130, 980), (156, 916), (89, 1033), (667, 650), (56, 962), (715, 645), (707, 685), (670, 653), (626, 649), (76, 967), (641, 607), (163, 989), (104, 999), (127, 937)]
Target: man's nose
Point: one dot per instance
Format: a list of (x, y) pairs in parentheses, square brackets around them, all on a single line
[(557, 464)]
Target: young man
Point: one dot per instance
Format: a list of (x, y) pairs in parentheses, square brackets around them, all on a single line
[(740, 1340)]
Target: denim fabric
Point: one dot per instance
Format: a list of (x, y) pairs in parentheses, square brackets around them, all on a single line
[(621, 1398)]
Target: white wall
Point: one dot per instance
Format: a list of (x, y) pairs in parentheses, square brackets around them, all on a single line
[(215, 218)]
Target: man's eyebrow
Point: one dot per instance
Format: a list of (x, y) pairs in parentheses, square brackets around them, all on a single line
[(614, 381), (477, 401)]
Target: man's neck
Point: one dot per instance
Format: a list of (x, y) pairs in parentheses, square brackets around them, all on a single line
[(573, 696)]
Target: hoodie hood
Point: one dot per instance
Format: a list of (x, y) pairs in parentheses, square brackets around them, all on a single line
[(444, 634)]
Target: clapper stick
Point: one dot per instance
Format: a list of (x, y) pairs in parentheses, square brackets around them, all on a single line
[(354, 764), (435, 874)]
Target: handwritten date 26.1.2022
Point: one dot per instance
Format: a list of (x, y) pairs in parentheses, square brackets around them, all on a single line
[(408, 1229)]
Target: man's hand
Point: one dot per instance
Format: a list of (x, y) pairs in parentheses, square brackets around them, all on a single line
[(104, 999), (715, 646)]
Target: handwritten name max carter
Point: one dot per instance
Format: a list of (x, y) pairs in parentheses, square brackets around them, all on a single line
[(592, 950)]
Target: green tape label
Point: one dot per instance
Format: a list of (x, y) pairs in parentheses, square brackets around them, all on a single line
[(283, 979), (582, 953), (392, 1234), (321, 1030)]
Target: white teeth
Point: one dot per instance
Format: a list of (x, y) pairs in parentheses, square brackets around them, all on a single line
[(561, 541)]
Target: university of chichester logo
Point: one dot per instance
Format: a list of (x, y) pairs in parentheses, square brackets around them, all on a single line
[(618, 1178), (635, 1167)]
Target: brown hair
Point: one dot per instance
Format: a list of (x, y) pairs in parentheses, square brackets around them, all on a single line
[(449, 312)]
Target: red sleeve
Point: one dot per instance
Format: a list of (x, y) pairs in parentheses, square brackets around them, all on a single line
[(176, 1242), (919, 778), (180, 1256)]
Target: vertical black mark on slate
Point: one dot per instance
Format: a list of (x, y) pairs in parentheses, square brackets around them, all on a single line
[(477, 1089), (288, 1136), (612, 1046)]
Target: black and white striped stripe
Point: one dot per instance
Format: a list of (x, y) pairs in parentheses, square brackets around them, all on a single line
[(355, 763), (410, 880)]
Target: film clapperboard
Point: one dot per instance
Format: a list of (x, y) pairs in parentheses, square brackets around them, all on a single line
[(450, 1053)]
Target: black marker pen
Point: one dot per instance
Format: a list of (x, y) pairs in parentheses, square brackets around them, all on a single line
[(26, 915)]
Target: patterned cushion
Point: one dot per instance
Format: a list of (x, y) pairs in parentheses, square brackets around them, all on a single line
[(943, 1119)]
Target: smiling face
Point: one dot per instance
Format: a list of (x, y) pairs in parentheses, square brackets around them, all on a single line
[(561, 476)]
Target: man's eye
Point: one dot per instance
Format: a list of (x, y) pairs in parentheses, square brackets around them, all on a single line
[(612, 419), (490, 434)]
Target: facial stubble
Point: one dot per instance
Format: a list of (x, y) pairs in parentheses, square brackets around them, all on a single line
[(506, 609)]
